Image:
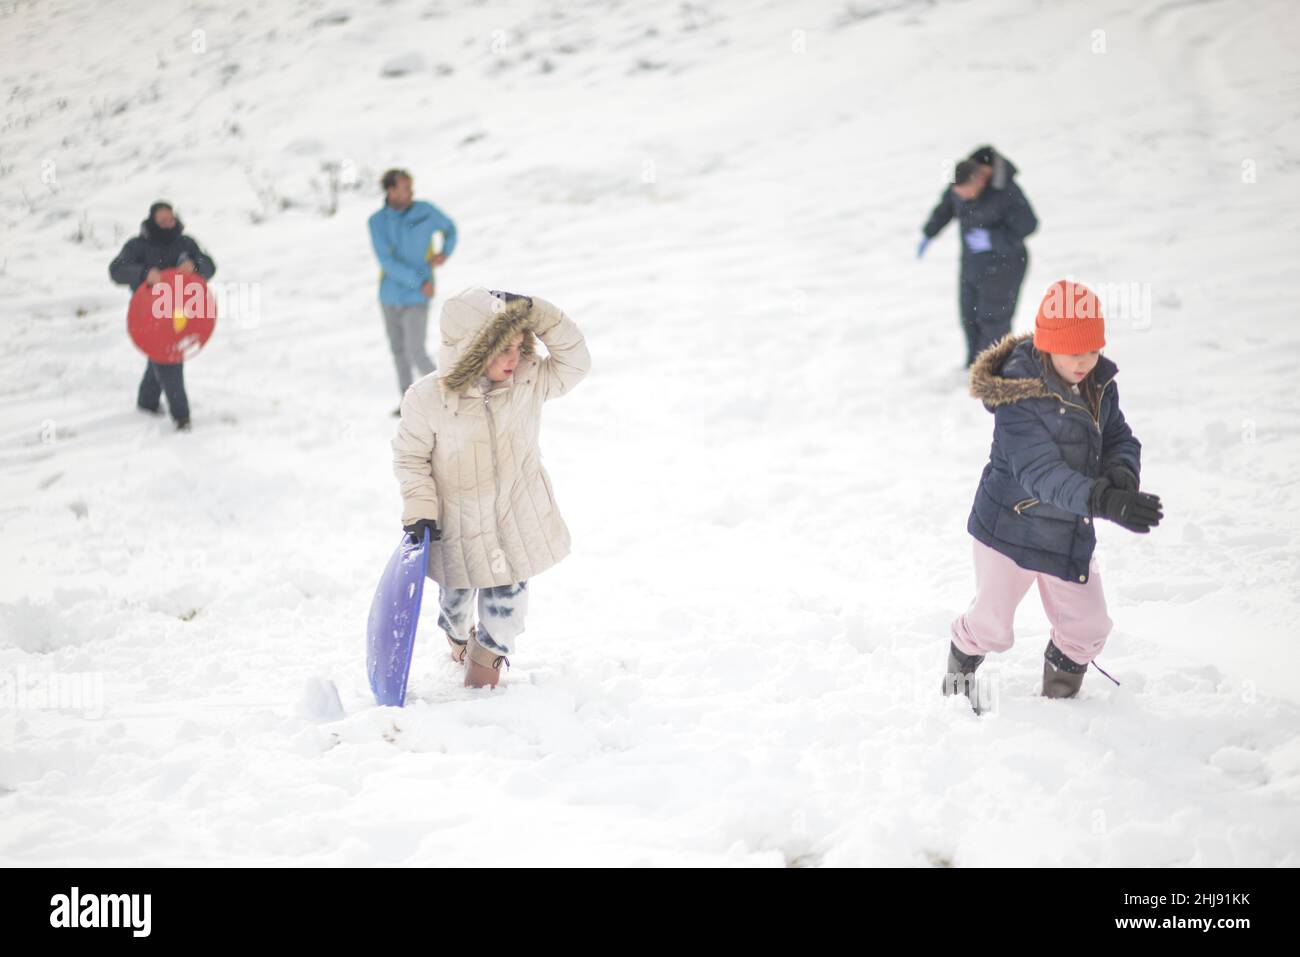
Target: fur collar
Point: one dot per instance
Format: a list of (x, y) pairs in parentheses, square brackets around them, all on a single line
[(152, 232), (489, 342), (993, 388), (1009, 371)]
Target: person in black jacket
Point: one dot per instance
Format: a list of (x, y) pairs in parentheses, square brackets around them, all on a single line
[(161, 245), (995, 218)]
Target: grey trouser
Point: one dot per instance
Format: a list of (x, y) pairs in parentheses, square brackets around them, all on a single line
[(407, 327), (501, 611)]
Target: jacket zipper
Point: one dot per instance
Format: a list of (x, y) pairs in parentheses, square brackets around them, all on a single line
[(1096, 419), (496, 480), (1020, 506), (1096, 422)]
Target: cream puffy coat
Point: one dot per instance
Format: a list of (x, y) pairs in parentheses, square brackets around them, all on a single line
[(466, 450)]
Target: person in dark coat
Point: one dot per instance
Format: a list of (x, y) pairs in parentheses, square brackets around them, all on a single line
[(1062, 456), (994, 218), (162, 244)]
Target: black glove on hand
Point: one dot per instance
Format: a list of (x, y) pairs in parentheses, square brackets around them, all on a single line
[(416, 530), (1122, 479), (1137, 511)]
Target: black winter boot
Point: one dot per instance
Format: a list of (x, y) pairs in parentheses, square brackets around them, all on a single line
[(1062, 678), (961, 675)]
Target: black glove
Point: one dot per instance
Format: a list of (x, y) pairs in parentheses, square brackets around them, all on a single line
[(1137, 511), (1122, 478), (416, 530)]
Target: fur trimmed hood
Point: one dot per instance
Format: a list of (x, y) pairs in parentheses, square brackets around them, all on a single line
[(152, 232), (1009, 371), (988, 382), (475, 327)]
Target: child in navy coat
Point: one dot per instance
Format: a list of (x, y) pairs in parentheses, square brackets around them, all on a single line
[(1062, 456)]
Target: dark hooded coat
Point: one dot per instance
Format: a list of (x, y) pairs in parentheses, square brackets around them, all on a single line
[(1050, 447)]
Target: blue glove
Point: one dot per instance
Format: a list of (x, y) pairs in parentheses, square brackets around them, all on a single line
[(977, 241), (920, 250)]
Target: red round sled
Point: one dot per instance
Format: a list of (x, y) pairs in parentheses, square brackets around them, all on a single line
[(171, 320)]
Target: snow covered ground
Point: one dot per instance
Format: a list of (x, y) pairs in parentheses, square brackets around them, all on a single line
[(767, 475)]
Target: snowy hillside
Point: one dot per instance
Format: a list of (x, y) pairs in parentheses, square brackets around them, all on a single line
[(767, 475)]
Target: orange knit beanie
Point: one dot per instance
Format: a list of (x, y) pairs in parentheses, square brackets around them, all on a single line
[(1069, 320)]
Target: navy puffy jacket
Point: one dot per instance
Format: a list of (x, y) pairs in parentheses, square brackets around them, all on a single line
[(1049, 448), (1001, 208), (157, 248)]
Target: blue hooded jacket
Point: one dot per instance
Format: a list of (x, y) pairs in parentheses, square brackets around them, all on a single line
[(1001, 209), (1050, 445), (403, 241)]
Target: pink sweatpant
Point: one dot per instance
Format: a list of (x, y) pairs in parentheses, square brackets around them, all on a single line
[(1077, 611)]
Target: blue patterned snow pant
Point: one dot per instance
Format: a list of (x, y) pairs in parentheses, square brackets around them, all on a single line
[(501, 612)]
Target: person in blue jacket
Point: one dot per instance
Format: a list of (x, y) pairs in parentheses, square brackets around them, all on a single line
[(1062, 456), (995, 218), (403, 236)]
